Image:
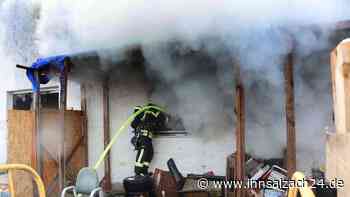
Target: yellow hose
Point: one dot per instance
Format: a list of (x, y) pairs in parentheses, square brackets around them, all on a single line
[(120, 130), (36, 177), (305, 191)]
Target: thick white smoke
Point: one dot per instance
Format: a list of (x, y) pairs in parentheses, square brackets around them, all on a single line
[(68, 26), (252, 33)]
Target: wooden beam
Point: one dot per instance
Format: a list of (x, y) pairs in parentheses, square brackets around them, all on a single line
[(239, 166), (290, 114), (23, 67), (61, 149), (107, 184), (37, 160), (340, 61), (240, 138)]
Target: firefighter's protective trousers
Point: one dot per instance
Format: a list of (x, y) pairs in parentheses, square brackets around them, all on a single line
[(144, 152)]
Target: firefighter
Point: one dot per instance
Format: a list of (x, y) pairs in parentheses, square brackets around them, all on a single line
[(144, 126)]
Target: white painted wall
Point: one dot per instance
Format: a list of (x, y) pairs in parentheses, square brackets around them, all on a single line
[(124, 96), (193, 154), (94, 106)]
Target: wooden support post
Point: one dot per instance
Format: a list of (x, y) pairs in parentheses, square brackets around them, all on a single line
[(341, 86), (61, 149), (107, 185), (239, 167), (85, 121), (37, 149), (290, 114), (240, 138)]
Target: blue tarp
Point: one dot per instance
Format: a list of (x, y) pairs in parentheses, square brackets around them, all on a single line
[(45, 63)]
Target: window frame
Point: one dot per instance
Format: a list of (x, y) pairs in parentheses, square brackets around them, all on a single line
[(44, 90)]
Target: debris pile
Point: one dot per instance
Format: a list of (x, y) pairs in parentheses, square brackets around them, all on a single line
[(264, 171)]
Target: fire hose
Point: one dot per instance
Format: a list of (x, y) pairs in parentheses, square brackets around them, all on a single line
[(120, 130)]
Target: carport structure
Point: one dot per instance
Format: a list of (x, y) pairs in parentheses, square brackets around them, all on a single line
[(59, 164)]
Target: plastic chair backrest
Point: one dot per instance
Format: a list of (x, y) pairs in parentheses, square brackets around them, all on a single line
[(87, 181), (9, 168)]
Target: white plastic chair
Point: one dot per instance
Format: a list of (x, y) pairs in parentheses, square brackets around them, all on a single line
[(87, 184)]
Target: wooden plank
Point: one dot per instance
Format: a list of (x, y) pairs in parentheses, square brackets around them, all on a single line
[(340, 66), (52, 180), (21, 146), (290, 114), (164, 184), (74, 148), (107, 186), (240, 138), (21, 127), (338, 143), (50, 164), (74, 152)]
